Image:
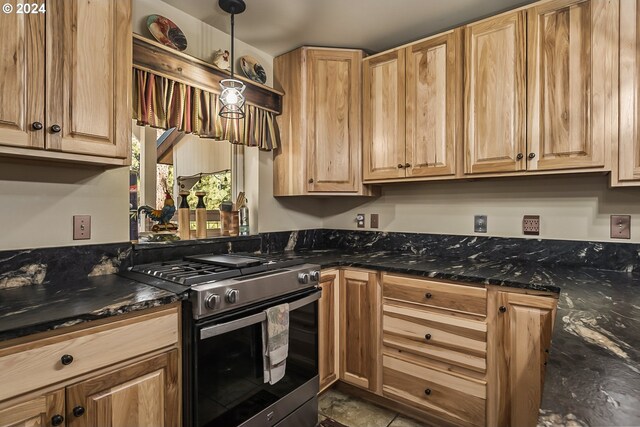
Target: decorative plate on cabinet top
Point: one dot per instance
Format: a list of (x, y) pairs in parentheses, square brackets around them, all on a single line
[(252, 69), (166, 32)]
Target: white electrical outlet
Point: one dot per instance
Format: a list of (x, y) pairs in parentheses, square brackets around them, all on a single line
[(531, 225)]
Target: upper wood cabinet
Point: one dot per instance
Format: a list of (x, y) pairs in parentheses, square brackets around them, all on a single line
[(571, 67), (519, 336), (360, 300), (83, 115), (22, 84), (384, 116), (320, 125), (626, 162), (412, 109), (433, 105), (495, 94)]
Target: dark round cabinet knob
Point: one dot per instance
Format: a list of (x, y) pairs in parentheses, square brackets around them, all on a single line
[(519, 156), (400, 165), (407, 165), (427, 337), (310, 180), (66, 359), (55, 128), (78, 411), (502, 309), (57, 420), (532, 155), (427, 391), (428, 295), (36, 126)]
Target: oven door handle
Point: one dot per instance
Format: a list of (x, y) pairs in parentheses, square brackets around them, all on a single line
[(222, 328)]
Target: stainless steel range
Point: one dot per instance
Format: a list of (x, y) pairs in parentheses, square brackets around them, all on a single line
[(223, 331)]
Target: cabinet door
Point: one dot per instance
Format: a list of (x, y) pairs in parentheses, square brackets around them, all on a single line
[(384, 116), (628, 158), (433, 107), (145, 394), (570, 74), (519, 337), (89, 76), (360, 341), (37, 412), (22, 82), (328, 332), (495, 94), (334, 138)]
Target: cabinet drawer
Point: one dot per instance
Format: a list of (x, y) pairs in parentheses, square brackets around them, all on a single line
[(30, 366), (462, 342), (462, 298), (430, 390)]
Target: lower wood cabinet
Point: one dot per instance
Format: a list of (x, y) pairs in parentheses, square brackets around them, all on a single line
[(449, 353), (137, 386), (41, 411), (519, 339), (360, 329), (328, 332)]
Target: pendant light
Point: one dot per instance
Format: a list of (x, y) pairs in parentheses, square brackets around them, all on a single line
[(232, 90)]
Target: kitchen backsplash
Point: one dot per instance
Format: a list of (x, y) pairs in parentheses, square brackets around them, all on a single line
[(604, 255), (37, 266)]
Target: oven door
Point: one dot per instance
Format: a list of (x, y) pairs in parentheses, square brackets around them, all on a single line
[(228, 377)]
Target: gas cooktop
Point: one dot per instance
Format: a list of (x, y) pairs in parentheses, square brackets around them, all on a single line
[(200, 269)]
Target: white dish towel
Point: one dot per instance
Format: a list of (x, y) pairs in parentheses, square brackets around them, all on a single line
[(275, 343)]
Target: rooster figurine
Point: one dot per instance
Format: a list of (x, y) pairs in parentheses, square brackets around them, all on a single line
[(163, 216)]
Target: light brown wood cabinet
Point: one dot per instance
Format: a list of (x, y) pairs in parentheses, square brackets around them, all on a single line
[(449, 353), (626, 160), (68, 100), (412, 109), (569, 83), (360, 329), (144, 394), (328, 332), (320, 125), (520, 328), (42, 411), (495, 94), (124, 372), (571, 76)]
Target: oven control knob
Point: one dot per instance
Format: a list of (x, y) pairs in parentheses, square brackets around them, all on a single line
[(303, 278), (212, 301), (232, 296)]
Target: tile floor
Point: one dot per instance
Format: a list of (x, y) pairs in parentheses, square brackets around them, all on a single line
[(354, 412)]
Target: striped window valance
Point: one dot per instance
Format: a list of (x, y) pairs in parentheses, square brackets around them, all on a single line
[(164, 103)]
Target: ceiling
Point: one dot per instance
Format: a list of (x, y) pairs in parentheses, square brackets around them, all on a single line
[(278, 26)]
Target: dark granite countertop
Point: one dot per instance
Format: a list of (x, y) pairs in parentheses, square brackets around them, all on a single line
[(593, 373), (67, 301)]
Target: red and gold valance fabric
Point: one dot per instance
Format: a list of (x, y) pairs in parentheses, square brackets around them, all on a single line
[(163, 103)]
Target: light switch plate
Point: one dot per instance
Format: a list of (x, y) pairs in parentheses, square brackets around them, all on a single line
[(531, 225), (620, 226), (81, 227), (375, 223), (480, 223)]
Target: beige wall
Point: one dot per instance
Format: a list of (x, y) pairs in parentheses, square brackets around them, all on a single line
[(571, 207), (37, 203)]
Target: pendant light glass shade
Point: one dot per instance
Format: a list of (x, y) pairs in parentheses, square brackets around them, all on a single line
[(232, 90), (232, 99)]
